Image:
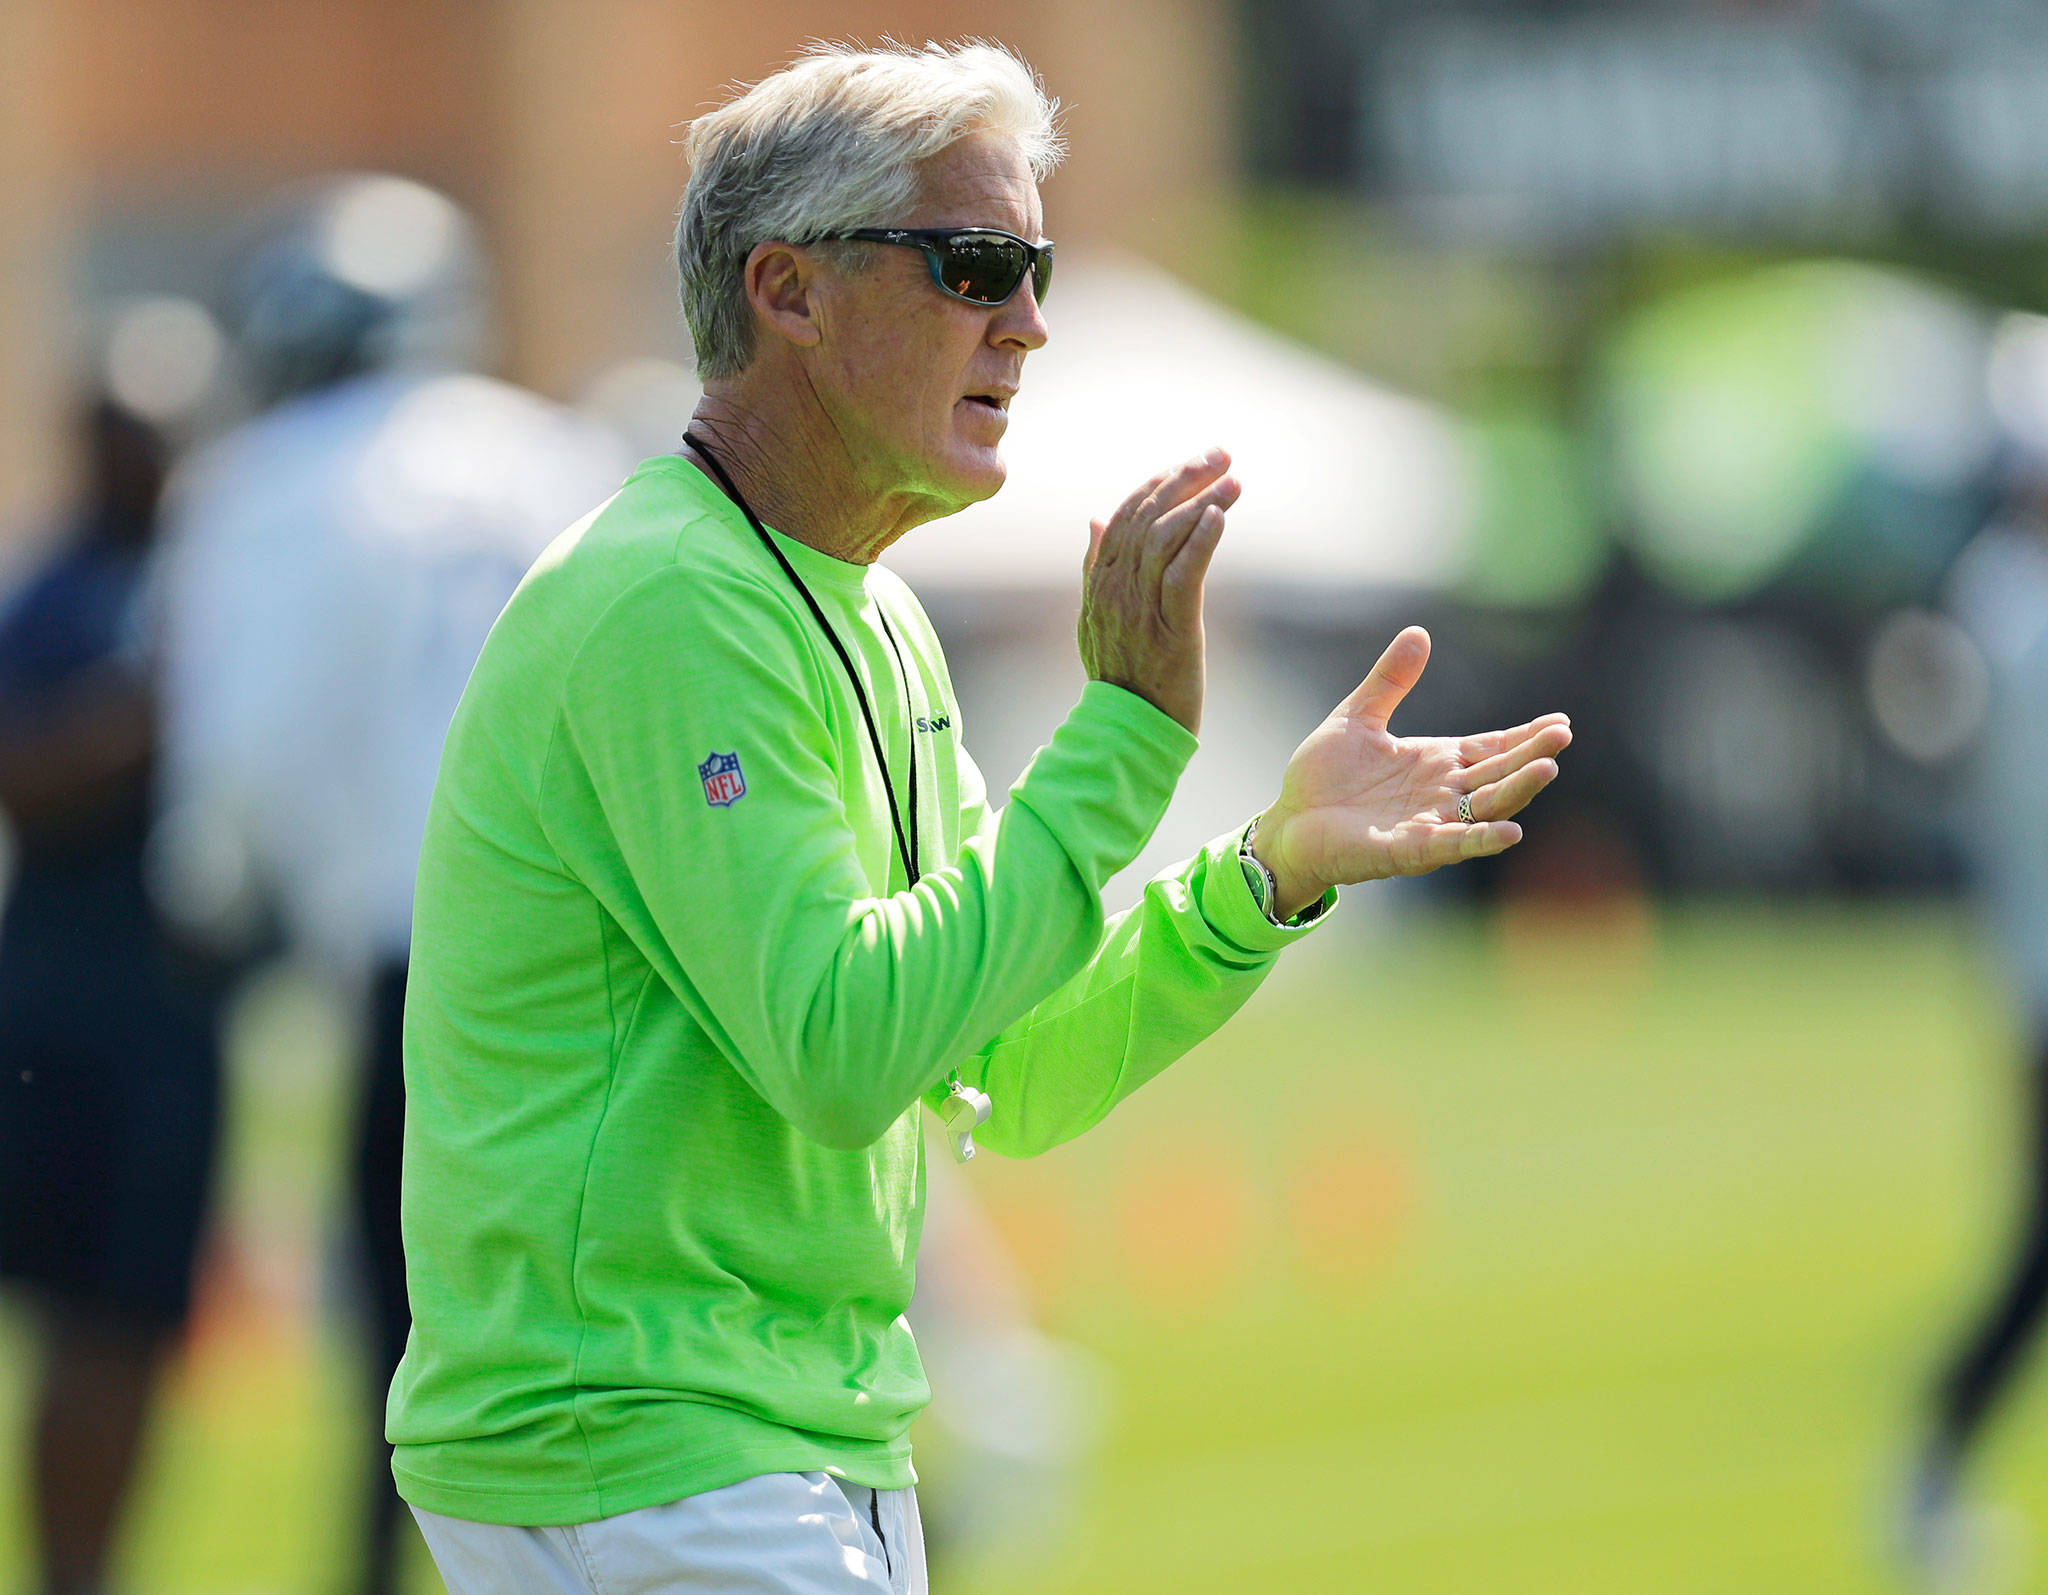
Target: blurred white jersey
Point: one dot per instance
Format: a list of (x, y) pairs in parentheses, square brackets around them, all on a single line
[(329, 577), (2000, 594)]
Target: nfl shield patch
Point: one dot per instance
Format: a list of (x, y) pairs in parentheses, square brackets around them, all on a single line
[(723, 784)]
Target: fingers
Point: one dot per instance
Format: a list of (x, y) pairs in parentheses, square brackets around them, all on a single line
[(1171, 531), (1547, 743), (1389, 681), (1482, 841), (1130, 506), (1453, 844), (1510, 796), (1125, 529), (1488, 743), (1182, 482), (1180, 588)]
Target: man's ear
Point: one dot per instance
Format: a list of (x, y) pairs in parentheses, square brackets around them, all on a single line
[(780, 281)]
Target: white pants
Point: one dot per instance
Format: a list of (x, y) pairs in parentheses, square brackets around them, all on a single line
[(779, 1534)]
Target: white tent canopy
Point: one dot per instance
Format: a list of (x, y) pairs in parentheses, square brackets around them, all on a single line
[(1346, 483)]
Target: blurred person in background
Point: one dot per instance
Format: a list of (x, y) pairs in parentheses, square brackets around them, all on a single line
[(333, 568), (1999, 592), (712, 898), (109, 1062), (1016, 1415)]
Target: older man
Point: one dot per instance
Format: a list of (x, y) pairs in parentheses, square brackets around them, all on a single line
[(712, 897)]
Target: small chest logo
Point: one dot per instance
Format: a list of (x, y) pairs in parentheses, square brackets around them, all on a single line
[(723, 784)]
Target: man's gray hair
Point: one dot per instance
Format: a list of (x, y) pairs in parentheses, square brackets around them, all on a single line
[(829, 144)]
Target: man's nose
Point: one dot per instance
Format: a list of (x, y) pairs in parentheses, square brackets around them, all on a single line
[(1019, 320)]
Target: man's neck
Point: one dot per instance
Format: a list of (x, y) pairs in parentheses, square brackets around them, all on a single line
[(797, 475)]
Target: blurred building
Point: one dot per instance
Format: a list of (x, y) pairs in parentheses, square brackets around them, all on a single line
[(132, 138), (1567, 119), (1701, 289)]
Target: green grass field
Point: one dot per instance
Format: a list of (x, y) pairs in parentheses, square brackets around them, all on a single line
[(1475, 1257)]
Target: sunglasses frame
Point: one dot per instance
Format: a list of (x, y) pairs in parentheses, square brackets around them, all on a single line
[(933, 240)]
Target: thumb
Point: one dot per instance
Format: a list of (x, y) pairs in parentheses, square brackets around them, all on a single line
[(1389, 681), (1096, 529)]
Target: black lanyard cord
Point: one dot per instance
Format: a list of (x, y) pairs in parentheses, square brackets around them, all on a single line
[(914, 865), (907, 851)]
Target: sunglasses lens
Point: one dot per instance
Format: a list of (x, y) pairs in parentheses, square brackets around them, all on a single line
[(1041, 273), (982, 268)]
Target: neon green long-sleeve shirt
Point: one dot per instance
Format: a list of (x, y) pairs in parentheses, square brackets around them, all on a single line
[(670, 1014)]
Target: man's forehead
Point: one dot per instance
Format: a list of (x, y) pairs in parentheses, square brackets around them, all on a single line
[(982, 180)]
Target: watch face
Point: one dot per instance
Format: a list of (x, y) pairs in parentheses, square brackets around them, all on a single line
[(1255, 878)]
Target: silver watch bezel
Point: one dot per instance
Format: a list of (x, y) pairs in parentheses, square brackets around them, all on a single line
[(1258, 879)]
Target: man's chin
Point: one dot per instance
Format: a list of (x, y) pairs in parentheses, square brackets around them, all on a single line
[(971, 477), (990, 479)]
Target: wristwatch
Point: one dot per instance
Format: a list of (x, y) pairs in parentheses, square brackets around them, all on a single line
[(1265, 890)]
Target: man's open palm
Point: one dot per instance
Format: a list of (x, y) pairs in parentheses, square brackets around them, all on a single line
[(1359, 803)]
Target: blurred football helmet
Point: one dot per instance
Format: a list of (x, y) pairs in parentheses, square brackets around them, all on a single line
[(356, 273)]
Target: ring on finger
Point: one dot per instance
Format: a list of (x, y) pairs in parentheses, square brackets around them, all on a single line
[(1464, 808)]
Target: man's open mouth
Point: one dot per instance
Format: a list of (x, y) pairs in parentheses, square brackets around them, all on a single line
[(993, 401)]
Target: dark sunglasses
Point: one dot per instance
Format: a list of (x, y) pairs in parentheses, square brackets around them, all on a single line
[(982, 265)]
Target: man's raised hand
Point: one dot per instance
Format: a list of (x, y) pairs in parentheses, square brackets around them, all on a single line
[(1358, 803), (1141, 585)]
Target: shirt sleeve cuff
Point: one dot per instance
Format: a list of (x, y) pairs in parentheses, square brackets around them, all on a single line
[(1232, 912), (1174, 743)]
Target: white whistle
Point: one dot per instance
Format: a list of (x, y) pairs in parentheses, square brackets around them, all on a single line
[(964, 1111)]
